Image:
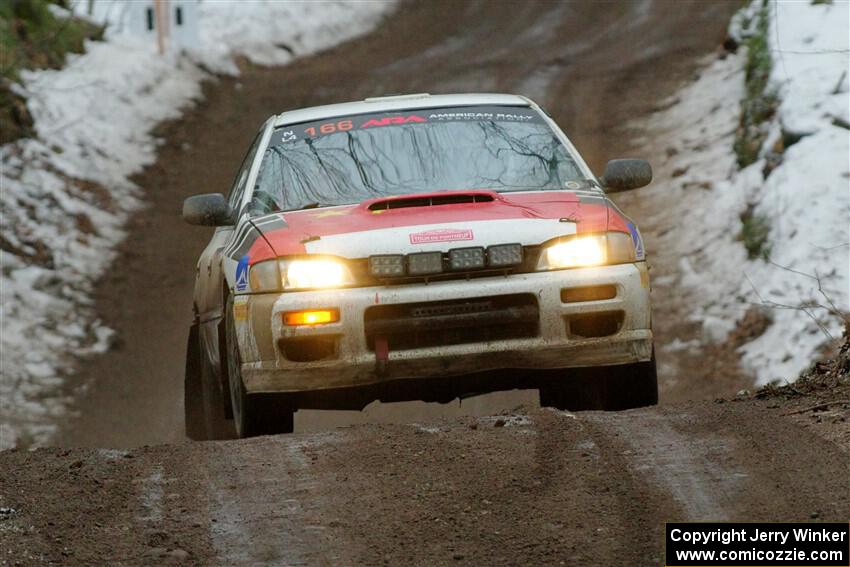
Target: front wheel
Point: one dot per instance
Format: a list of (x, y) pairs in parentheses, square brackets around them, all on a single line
[(580, 389), (193, 389), (253, 414), (633, 386)]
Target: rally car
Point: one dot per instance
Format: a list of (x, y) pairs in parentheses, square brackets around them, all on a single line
[(416, 247)]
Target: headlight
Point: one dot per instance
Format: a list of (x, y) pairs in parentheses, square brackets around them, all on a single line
[(307, 273), (319, 273), (264, 276), (587, 251), (583, 251)]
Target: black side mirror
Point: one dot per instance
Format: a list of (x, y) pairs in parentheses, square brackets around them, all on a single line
[(625, 174), (210, 209)]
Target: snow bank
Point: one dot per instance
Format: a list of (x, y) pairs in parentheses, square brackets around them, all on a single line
[(67, 193), (805, 200)]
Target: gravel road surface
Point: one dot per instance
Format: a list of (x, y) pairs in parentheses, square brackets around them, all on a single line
[(536, 487)]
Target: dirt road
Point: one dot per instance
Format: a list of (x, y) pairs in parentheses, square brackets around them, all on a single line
[(594, 65), (537, 487)]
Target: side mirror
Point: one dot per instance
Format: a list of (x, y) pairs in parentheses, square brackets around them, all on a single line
[(625, 174), (210, 209)]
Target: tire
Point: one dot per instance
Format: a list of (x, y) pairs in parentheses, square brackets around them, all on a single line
[(216, 425), (193, 391), (580, 389), (633, 386), (253, 414), (224, 383), (610, 388)]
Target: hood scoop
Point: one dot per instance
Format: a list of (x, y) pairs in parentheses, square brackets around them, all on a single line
[(430, 200)]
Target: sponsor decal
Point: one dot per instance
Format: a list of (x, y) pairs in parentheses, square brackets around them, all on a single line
[(480, 116), (440, 235), (393, 120), (288, 136), (242, 274), (637, 240)]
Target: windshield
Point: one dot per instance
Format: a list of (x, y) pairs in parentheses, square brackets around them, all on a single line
[(350, 159)]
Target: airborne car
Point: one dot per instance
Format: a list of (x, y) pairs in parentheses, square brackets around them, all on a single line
[(416, 247)]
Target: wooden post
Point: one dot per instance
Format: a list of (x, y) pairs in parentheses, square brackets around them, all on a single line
[(161, 17)]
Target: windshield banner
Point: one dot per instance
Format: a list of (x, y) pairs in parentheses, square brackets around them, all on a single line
[(327, 126)]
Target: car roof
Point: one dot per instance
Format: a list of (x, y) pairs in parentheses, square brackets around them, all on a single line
[(399, 102)]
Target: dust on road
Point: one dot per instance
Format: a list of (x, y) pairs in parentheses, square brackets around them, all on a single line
[(596, 66)]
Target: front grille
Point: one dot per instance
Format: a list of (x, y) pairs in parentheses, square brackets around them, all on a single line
[(439, 323)]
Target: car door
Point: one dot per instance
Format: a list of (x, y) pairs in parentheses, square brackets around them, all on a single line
[(209, 283)]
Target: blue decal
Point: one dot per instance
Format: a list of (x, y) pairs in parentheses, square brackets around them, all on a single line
[(242, 274), (638, 241)]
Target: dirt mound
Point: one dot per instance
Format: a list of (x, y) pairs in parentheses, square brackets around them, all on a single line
[(827, 380), (830, 378), (821, 396)]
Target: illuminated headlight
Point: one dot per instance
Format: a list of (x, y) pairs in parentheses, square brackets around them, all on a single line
[(583, 251), (306, 273), (586, 251), (319, 273)]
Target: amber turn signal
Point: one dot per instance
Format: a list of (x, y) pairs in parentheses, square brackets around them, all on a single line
[(313, 317)]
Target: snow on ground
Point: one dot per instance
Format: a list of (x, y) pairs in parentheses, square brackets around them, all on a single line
[(67, 193), (805, 200)]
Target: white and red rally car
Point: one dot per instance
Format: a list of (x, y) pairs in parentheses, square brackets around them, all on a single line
[(416, 247)]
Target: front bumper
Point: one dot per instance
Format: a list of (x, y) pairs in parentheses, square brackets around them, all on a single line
[(353, 361)]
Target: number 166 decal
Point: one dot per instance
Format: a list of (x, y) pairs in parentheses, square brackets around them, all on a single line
[(330, 128)]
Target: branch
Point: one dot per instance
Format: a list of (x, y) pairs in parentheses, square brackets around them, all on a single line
[(824, 405), (804, 308)]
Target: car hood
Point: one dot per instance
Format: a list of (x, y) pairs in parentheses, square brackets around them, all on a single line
[(434, 221)]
